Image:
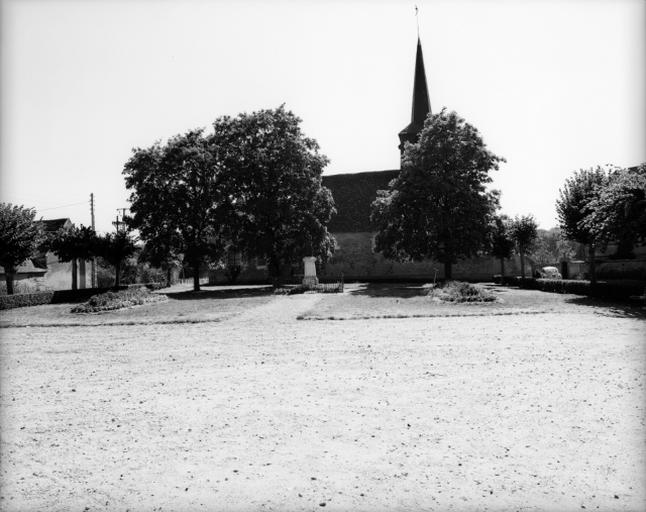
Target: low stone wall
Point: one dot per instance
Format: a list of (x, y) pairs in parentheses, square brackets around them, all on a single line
[(355, 259)]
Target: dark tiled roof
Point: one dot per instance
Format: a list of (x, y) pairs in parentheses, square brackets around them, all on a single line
[(51, 225), (353, 194)]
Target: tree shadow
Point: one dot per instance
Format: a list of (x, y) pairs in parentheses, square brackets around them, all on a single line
[(237, 293), (612, 308), (398, 290)]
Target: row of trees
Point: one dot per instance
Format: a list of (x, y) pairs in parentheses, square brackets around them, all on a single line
[(604, 205), (22, 237), (252, 186)]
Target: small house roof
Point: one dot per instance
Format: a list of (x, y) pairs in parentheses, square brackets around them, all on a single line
[(353, 196), (27, 267), (53, 225)]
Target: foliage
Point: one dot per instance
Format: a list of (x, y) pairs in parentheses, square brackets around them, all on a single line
[(438, 206), (280, 208), (115, 248), (118, 300), (574, 203), (502, 246), (74, 243), (458, 291), (550, 247), (177, 200), (20, 300), (618, 211), (19, 237), (523, 231)]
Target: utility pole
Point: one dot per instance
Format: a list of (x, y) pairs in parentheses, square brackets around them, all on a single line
[(117, 223), (93, 264)]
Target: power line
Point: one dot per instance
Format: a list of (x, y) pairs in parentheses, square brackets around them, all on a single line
[(62, 206)]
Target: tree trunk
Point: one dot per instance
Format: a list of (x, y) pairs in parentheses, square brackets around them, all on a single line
[(448, 270), (8, 277), (74, 274), (168, 276), (196, 276), (502, 269), (274, 269), (522, 265), (117, 275), (593, 269)]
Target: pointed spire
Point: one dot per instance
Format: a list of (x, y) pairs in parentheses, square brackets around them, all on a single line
[(421, 103)]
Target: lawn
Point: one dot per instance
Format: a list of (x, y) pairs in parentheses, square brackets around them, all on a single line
[(365, 301), (212, 304)]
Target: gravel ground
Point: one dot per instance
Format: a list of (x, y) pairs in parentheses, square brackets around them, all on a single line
[(264, 412)]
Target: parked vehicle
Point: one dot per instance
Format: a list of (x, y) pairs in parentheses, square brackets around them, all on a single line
[(550, 273)]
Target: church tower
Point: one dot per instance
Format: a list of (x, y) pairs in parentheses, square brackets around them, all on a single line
[(421, 103)]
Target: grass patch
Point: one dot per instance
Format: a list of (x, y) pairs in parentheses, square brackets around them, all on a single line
[(212, 304), (401, 300), (118, 300)]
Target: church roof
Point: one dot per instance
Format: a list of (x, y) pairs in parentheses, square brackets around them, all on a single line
[(421, 102), (353, 194)]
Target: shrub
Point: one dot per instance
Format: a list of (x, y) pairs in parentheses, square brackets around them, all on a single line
[(117, 300), (458, 291), (25, 299)]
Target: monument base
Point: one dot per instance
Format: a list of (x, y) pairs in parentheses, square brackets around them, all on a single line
[(310, 281)]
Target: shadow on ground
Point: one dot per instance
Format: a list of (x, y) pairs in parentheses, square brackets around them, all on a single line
[(397, 290), (220, 294), (610, 308)]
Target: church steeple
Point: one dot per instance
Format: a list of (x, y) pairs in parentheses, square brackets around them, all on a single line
[(421, 103)]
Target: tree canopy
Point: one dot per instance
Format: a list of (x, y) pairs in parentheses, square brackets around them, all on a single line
[(280, 209), (115, 248), (574, 205), (502, 245), (252, 186), (19, 237), (523, 231), (438, 206), (176, 198), (618, 211)]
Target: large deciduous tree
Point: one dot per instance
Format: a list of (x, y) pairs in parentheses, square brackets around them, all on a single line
[(115, 248), (438, 207), (176, 199), (574, 205), (523, 231), (618, 212), (74, 244), (19, 237), (280, 209)]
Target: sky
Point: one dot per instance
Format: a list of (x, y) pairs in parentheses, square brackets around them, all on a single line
[(552, 86)]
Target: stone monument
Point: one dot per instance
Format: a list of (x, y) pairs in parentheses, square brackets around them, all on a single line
[(309, 274)]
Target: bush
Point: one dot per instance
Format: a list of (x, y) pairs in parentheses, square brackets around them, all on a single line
[(117, 300), (458, 291), (24, 286), (25, 299)]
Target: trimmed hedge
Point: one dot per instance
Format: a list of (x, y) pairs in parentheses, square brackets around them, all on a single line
[(20, 300)]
